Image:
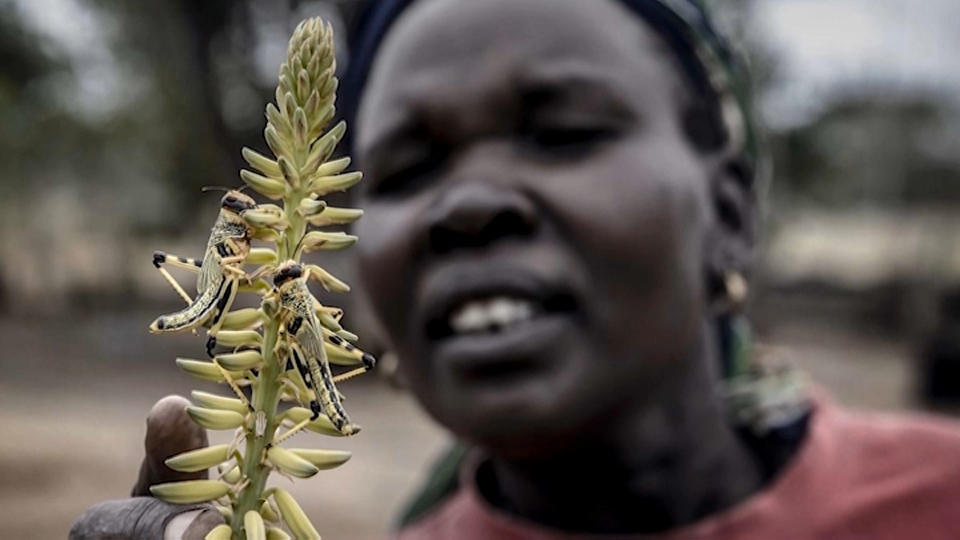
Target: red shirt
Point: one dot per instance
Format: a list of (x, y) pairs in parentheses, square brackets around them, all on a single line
[(856, 476)]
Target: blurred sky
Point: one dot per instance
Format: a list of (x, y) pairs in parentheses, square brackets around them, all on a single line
[(825, 46), (822, 47), (82, 35)]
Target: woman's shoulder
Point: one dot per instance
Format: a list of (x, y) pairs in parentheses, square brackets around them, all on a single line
[(885, 443), (872, 472)]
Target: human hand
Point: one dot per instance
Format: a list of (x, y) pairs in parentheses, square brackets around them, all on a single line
[(143, 517)]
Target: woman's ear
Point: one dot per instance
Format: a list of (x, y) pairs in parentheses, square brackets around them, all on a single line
[(730, 240)]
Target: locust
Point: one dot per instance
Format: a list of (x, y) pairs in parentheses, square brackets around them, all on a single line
[(219, 273), (305, 337)]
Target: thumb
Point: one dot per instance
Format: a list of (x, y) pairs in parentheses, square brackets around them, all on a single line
[(170, 431)]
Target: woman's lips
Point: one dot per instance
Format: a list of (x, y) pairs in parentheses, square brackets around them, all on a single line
[(495, 323), (508, 354), (490, 303)]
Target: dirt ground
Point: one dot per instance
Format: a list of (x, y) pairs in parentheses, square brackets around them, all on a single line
[(74, 395)]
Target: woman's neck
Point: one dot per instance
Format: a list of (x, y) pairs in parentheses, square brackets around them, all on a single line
[(662, 464)]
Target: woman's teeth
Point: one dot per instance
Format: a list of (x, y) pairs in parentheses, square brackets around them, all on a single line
[(490, 314)]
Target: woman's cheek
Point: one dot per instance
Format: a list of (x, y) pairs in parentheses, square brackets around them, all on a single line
[(614, 207), (631, 216)]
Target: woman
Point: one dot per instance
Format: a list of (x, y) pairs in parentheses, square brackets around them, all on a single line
[(560, 215)]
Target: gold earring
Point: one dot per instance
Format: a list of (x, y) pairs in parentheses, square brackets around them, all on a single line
[(736, 287)]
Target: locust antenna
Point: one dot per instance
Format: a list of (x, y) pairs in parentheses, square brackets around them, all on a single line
[(240, 189)]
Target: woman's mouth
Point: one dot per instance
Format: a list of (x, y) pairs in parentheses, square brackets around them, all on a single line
[(494, 313), (490, 314), (497, 326)]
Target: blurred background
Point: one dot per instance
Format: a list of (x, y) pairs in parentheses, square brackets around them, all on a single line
[(114, 113)]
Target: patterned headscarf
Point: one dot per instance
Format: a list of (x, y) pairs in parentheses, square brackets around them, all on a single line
[(705, 56)]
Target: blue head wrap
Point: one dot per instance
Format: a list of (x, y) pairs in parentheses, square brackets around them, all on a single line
[(706, 58)]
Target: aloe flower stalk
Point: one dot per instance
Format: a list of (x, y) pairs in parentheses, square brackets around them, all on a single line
[(297, 177)]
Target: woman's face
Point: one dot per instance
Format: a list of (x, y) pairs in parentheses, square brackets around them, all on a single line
[(535, 216)]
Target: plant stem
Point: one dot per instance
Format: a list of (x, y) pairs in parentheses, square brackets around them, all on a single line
[(266, 397), (266, 394)]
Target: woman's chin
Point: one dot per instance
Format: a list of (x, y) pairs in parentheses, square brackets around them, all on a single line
[(526, 413)]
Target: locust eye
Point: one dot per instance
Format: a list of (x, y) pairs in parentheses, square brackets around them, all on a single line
[(288, 273), (236, 204)]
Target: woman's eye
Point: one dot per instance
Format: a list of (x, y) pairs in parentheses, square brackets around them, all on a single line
[(569, 142), (408, 178)]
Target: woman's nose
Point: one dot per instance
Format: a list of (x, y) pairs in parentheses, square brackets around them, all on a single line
[(478, 214)]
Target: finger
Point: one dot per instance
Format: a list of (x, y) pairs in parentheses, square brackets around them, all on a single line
[(194, 525), (145, 518), (170, 431)]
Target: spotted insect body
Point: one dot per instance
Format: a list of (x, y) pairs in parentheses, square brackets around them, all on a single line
[(307, 349), (218, 274)]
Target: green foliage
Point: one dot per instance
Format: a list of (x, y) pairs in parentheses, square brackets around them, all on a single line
[(885, 152)]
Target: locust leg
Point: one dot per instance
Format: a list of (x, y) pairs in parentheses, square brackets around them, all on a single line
[(334, 312), (260, 272), (350, 374), (296, 358), (325, 397), (222, 308), (235, 271), (233, 385), (232, 261), (368, 360), (233, 254), (160, 258)]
